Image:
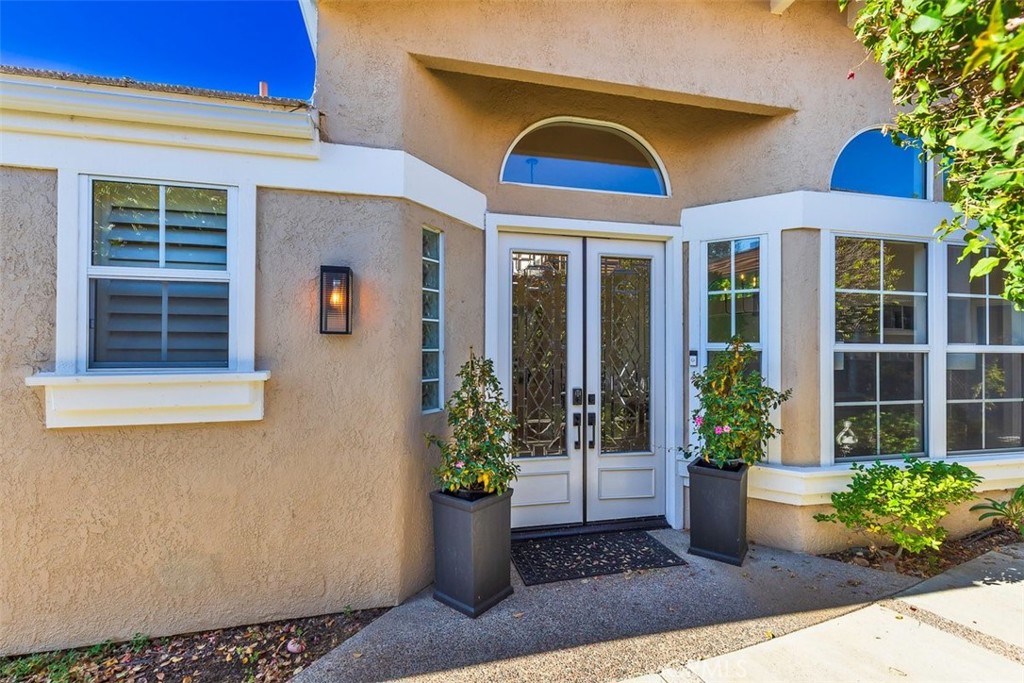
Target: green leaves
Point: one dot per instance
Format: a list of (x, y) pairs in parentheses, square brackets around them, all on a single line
[(478, 455), (957, 71), (1011, 511), (926, 22), (978, 138), (904, 504), (733, 422)]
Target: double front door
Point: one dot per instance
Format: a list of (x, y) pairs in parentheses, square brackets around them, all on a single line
[(581, 356)]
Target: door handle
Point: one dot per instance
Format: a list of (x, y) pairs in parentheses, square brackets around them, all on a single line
[(591, 422), (577, 422)]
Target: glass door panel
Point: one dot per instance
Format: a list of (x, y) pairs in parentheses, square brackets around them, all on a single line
[(539, 355)]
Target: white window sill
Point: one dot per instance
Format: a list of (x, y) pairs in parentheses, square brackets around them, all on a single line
[(110, 400)]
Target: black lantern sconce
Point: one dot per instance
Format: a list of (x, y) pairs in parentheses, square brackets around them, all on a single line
[(335, 300)]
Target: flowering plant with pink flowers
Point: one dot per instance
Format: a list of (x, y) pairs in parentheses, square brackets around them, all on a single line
[(733, 422)]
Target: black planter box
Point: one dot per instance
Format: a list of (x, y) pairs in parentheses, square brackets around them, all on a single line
[(718, 512), (472, 551)]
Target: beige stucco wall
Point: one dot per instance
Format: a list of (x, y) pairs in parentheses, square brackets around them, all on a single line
[(800, 417), (499, 66), (794, 528), (322, 504)]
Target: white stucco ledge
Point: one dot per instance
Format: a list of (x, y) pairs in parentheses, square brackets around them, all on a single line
[(815, 485), (112, 400)]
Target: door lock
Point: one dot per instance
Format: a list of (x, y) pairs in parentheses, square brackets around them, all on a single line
[(577, 396)]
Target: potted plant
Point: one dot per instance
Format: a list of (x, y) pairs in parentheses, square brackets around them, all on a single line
[(733, 428), (472, 510)]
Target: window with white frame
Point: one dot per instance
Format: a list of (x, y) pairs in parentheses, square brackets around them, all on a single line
[(432, 364), (984, 361), (733, 288), (159, 284), (880, 351)]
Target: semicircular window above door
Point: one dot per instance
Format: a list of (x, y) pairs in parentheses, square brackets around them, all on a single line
[(588, 155)]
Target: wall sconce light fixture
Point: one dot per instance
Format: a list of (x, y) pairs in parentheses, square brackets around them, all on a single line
[(335, 300)]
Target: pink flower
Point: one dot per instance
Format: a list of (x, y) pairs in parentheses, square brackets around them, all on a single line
[(718, 430), (726, 429), (459, 465), (850, 76), (698, 420)]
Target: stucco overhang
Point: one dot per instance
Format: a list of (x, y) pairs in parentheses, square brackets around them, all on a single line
[(761, 107)]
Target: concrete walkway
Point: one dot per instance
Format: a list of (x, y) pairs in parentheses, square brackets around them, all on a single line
[(965, 625), (612, 627)]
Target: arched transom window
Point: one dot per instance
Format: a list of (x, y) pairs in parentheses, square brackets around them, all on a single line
[(872, 163), (584, 155)]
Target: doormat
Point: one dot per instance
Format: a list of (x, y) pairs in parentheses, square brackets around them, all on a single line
[(545, 560)]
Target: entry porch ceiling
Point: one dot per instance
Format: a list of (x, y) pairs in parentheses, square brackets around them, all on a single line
[(761, 108)]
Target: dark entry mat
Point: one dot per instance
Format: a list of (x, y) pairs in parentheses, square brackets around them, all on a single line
[(544, 560)]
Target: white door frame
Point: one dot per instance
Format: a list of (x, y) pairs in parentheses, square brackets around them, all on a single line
[(675, 354)]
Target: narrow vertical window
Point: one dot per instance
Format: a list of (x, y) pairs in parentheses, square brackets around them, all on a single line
[(880, 350), (432, 364), (734, 295)]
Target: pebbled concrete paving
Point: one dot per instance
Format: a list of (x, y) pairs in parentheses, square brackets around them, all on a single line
[(985, 594), (609, 628), (965, 625)]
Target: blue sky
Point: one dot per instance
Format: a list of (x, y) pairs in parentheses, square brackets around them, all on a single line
[(223, 45)]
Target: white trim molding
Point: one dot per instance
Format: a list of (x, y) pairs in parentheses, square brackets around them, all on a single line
[(150, 398), (84, 110), (803, 486)]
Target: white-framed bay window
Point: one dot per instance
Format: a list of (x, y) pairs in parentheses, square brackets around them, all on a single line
[(880, 351), (984, 362), (925, 361), (155, 303)]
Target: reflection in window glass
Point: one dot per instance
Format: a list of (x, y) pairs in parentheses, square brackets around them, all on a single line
[(881, 291), (985, 397), (872, 164), (586, 157), (879, 404), (977, 313), (733, 294)]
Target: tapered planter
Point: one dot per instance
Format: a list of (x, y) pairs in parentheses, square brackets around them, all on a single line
[(718, 512), (472, 551)]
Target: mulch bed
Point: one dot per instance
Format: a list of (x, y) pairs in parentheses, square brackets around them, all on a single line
[(929, 562), (268, 653)]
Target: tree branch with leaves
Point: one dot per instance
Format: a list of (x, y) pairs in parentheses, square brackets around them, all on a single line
[(957, 73)]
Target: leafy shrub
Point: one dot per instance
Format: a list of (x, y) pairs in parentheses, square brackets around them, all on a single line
[(733, 421), (478, 456), (905, 504), (1011, 511)]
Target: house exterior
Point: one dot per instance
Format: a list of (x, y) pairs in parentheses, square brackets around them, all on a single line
[(596, 195)]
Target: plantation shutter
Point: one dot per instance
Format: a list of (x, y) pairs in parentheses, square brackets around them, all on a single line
[(156, 320)]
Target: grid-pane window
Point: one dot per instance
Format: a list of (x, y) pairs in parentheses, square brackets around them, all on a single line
[(880, 357), (432, 364), (984, 361), (734, 294), (158, 276)]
